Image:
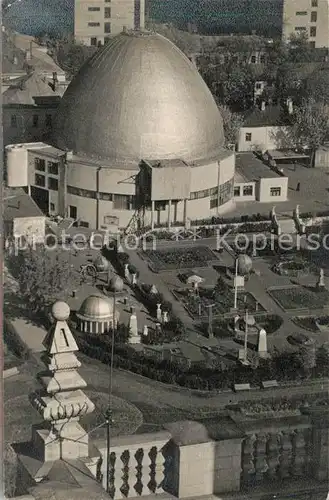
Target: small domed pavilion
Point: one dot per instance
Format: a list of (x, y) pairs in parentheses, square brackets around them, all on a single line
[(96, 315)]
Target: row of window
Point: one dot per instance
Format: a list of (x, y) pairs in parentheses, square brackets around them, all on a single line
[(40, 165), (247, 190), (120, 201), (107, 11), (107, 26), (314, 15), (303, 28), (40, 181), (14, 119)]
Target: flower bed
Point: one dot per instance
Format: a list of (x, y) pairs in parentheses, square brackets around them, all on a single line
[(292, 268), (180, 258), (223, 300), (299, 297), (271, 249)]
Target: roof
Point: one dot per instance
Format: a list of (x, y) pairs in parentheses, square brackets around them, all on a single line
[(18, 206), (270, 117), (47, 151), (250, 168), (139, 97), (25, 88)]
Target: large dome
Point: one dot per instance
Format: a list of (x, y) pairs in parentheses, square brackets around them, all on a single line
[(139, 97)]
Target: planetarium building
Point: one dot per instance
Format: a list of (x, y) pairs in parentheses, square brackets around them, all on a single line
[(138, 139)]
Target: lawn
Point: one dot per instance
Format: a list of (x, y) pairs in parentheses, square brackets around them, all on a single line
[(299, 297), (179, 258)]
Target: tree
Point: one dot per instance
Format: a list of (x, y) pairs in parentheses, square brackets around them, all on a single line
[(317, 85), (232, 123), (310, 127), (238, 89), (300, 49), (307, 358), (43, 276)]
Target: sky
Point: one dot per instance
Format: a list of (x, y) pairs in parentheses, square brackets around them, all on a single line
[(56, 16)]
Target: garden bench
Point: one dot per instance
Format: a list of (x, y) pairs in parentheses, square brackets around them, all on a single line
[(267, 384), (242, 387)]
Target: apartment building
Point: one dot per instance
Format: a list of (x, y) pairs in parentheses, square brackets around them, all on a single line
[(307, 16), (97, 20)]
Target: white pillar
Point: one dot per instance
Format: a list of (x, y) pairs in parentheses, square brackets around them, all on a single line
[(152, 214), (169, 214)]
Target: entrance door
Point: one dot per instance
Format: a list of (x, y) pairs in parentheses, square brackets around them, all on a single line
[(41, 197)]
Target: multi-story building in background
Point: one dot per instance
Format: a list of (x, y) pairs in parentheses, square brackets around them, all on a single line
[(307, 16), (97, 20)]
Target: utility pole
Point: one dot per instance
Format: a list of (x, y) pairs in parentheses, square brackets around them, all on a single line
[(246, 337)]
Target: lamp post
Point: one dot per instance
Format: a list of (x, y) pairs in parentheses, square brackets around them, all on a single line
[(246, 336), (116, 285)]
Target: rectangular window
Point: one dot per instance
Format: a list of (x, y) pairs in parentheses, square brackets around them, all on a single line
[(52, 168), (107, 12), (35, 121), (313, 31), (94, 9), (275, 191), (83, 224), (73, 212), (214, 203), (262, 59), (248, 137), (247, 190), (300, 28), (258, 86), (107, 1), (49, 121), (13, 121), (314, 16), (52, 207), (84, 193), (312, 45), (160, 205), (106, 196), (236, 190), (301, 13), (253, 59), (107, 27), (40, 180), (40, 164), (94, 25), (52, 183), (110, 220), (314, 3), (123, 202), (93, 41)]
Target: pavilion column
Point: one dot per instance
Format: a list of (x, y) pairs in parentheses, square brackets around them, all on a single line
[(152, 214), (185, 212), (169, 214)]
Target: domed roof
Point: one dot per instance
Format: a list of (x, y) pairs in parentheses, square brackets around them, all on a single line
[(139, 97), (95, 308)]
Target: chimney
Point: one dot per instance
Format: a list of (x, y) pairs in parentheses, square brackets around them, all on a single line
[(263, 106)]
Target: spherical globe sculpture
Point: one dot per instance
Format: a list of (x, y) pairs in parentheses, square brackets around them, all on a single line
[(116, 284), (101, 264), (60, 311), (244, 264)]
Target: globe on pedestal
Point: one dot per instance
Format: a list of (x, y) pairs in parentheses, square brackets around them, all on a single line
[(60, 311), (244, 264)]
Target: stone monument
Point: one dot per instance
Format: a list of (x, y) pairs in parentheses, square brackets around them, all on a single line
[(159, 312), (127, 273), (165, 318), (262, 344), (133, 329), (62, 402)]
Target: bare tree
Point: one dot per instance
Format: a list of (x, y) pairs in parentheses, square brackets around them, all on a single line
[(232, 123)]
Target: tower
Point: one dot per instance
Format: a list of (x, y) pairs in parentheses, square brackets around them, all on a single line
[(62, 401)]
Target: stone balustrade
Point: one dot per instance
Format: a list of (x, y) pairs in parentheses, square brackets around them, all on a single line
[(137, 465)]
